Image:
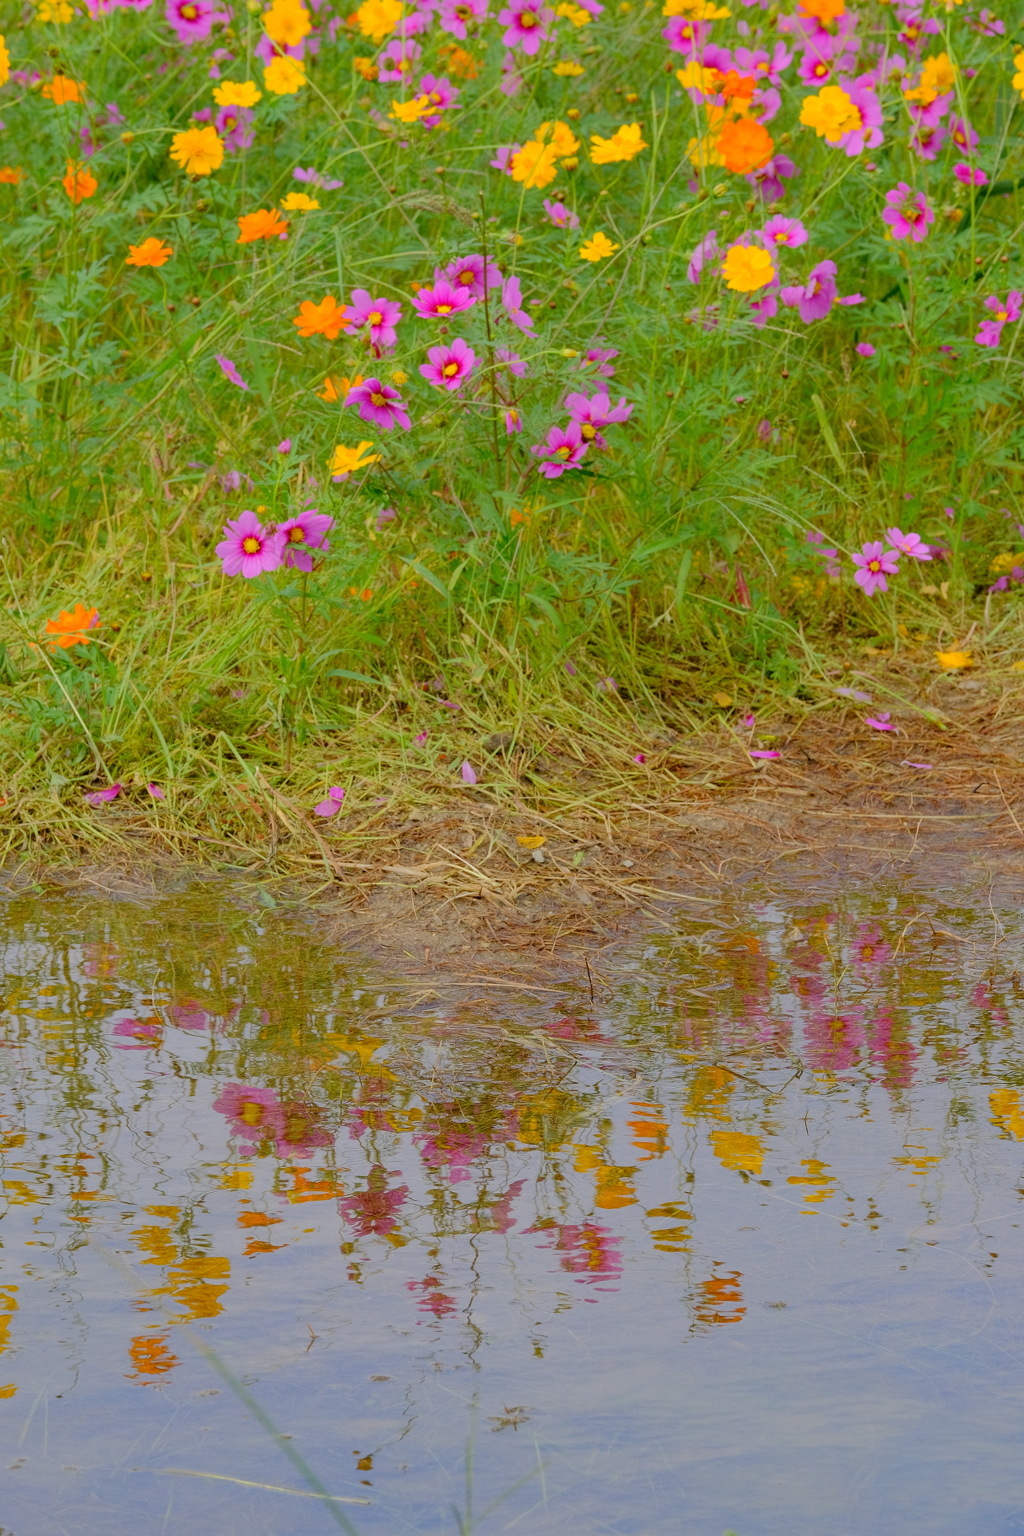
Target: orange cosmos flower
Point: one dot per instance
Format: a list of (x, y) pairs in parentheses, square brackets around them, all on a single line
[(70, 628), (151, 253), (264, 224), (78, 183), (324, 319), (61, 89), (823, 10), (745, 146), (11, 174)]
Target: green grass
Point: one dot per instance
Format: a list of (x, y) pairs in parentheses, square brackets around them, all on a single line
[(676, 564)]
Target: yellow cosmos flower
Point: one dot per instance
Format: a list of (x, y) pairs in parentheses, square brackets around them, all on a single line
[(699, 10), (574, 13), (198, 150), (831, 113), (377, 19), (347, 460), (5, 63), (568, 68), (237, 93), (284, 76), (410, 111), (287, 22), (696, 78), (535, 165), (298, 202), (55, 10), (747, 268), (953, 661), (560, 136), (597, 247), (1018, 64), (625, 143)]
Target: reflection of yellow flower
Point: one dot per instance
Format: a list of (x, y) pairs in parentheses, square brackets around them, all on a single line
[(624, 144), (535, 165), (347, 460), (237, 93), (298, 200), (747, 268), (735, 1150), (410, 111), (568, 68), (284, 76), (953, 661), (198, 150), (597, 247), (377, 18), (1005, 1106), (287, 22)]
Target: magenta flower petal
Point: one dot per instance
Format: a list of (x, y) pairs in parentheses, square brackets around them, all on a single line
[(332, 804), (229, 370), (468, 773), (101, 796), (765, 755), (156, 791)]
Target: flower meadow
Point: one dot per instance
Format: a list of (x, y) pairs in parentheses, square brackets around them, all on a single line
[(374, 379)]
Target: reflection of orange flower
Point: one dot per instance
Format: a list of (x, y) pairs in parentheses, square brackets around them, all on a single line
[(78, 183), (324, 319), (69, 629), (61, 89), (257, 1219), (255, 1245), (10, 174), (151, 1357), (264, 224), (151, 253), (745, 146)]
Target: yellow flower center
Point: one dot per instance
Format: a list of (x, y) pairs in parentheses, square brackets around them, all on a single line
[(588, 431), (376, 318), (1002, 314), (563, 452), (251, 546), (190, 12), (527, 19), (465, 278), (874, 566), (296, 536), (444, 309), (251, 1113), (378, 399), (450, 370)]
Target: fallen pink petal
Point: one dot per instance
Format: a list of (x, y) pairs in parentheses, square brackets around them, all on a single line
[(156, 791), (765, 756), (879, 722), (468, 773), (102, 796), (927, 767), (332, 804)]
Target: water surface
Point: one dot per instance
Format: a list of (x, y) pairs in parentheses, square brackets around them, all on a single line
[(735, 1244)]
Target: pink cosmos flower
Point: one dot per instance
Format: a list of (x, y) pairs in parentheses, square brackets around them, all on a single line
[(332, 805), (229, 370), (513, 421), (561, 216), (990, 331), (512, 299), (384, 516), (513, 362), (908, 544), (191, 20), (468, 273), (302, 534), (762, 65), (449, 366), (232, 123), (247, 548), (142, 1036), (930, 114), (593, 414), (766, 307), (684, 35), (503, 159), (962, 134), (564, 449), (874, 564), (701, 254), (101, 796), (441, 94), (398, 59), (787, 232), (455, 15), (926, 142), (379, 404), (313, 177), (969, 176), (511, 79), (881, 722), (814, 298), (868, 132), (907, 213), (442, 300), (526, 23), (771, 179), (380, 315), (598, 360)]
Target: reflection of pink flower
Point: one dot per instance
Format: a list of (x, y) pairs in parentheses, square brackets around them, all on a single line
[(136, 1036), (587, 1251), (254, 1113), (892, 1049), (432, 1297), (188, 1015), (833, 1040), (497, 1217), (372, 1213), (443, 1147)]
